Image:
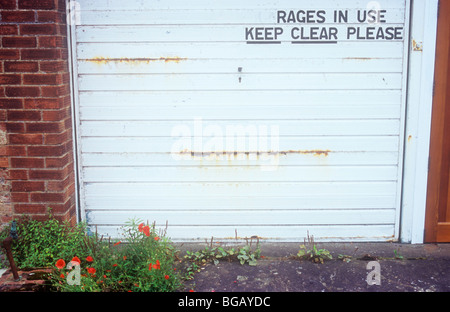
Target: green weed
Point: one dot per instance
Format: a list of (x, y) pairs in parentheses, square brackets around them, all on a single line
[(309, 251)]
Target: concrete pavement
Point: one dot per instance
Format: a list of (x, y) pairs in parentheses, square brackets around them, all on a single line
[(402, 268)]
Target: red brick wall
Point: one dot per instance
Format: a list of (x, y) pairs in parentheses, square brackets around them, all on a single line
[(36, 154)]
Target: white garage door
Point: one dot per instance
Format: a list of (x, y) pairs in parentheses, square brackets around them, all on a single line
[(240, 118)]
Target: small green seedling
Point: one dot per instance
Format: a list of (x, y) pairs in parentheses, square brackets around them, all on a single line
[(310, 252)]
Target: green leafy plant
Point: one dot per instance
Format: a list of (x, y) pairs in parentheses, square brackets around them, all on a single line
[(345, 258), (398, 255), (214, 254), (246, 255), (309, 251), (40, 242), (141, 262)]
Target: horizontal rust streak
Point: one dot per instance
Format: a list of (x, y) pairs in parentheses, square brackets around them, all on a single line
[(358, 58), (106, 60), (317, 152), (235, 153)]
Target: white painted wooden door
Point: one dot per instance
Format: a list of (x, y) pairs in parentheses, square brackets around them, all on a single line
[(241, 118)]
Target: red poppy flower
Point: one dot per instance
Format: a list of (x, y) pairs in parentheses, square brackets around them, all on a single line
[(115, 264), (166, 277), (62, 276), (156, 266), (156, 238), (141, 227), (146, 230), (60, 264), (89, 259), (76, 259), (124, 257), (91, 270)]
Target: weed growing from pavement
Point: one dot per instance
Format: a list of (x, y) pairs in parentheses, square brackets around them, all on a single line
[(213, 254), (309, 251)]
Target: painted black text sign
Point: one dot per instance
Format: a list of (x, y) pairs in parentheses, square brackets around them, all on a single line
[(328, 27)]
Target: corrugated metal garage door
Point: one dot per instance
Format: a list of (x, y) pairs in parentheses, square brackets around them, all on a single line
[(240, 118)]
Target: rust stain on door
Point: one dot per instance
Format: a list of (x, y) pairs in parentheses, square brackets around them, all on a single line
[(316, 153), (106, 60)]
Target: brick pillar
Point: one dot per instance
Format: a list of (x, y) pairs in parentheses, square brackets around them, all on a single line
[(35, 109)]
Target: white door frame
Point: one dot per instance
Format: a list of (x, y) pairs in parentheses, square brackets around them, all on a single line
[(422, 54)]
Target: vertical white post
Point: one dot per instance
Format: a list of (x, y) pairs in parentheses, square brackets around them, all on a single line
[(73, 18), (418, 119)]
